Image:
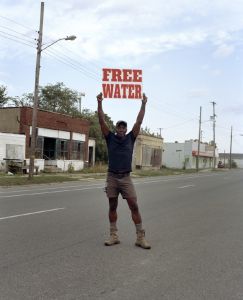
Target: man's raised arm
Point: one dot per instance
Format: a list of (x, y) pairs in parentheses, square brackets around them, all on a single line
[(103, 125), (137, 125)]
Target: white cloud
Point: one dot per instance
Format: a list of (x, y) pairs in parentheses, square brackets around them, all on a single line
[(198, 93), (215, 73), (4, 75), (205, 67), (223, 51), (155, 68)]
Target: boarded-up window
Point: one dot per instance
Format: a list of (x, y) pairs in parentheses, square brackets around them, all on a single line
[(152, 157)]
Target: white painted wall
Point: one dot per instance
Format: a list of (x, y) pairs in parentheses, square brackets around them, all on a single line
[(37, 162), (172, 158), (15, 144), (58, 134), (78, 137), (63, 164)]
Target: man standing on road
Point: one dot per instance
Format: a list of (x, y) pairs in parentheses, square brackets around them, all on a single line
[(120, 149)]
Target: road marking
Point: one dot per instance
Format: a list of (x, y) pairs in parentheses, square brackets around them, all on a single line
[(37, 212), (228, 178), (182, 187), (51, 188), (51, 192), (101, 186)]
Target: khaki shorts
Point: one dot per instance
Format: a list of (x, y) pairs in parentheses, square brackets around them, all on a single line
[(123, 185)]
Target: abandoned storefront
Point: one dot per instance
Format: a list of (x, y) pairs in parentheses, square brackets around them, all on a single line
[(60, 139)]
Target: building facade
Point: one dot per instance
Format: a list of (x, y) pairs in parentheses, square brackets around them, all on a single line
[(60, 139), (177, 154), (147, 152), (237, 157)]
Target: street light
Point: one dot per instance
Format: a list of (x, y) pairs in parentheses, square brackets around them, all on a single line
[(37, 73)]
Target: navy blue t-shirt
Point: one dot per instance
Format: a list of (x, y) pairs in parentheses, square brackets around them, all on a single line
[(120, 151)]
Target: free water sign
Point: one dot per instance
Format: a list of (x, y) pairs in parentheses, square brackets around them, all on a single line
[(122, 83)]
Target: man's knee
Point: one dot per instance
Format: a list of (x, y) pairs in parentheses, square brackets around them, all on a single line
[(113, 204), (133, 204)]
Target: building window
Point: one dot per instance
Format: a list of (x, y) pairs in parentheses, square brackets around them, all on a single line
[(62, 149), (78, 149)]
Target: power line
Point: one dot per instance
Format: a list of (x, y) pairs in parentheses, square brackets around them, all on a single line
[(75, 61), (18, 23), (16, 41), (18, 32), (71, 67), (17, 37)]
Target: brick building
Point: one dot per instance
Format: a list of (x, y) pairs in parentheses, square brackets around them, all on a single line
[(59, 138)]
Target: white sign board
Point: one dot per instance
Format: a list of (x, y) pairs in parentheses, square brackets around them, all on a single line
[(122, 83)]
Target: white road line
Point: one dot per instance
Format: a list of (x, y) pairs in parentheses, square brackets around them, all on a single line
[(228, 178), (101, 186), (37, 212), (52, 188), (182, 187), (51, 192)]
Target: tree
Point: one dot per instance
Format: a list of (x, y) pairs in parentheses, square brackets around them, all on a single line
[(3, 96), (101, 152), (146, 131), (57, 98), (211, 143)]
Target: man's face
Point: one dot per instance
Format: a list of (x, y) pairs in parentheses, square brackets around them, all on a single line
[(121, 131)]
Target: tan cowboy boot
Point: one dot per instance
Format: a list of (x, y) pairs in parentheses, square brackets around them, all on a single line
[(141, 241), (113, 237)]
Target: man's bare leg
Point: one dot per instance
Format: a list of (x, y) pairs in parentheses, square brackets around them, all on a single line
[(113, 203), (141, 241), (133, 205)]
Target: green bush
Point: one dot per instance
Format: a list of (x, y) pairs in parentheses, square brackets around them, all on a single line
[(70, 167)]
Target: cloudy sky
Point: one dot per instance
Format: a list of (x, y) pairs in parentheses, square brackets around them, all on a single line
[(190, 51)]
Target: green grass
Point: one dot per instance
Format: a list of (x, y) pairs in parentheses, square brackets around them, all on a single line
[(98, 168), (18, 180), (162, 172)]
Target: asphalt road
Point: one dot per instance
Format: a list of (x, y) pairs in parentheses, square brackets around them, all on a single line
[(52, 241)]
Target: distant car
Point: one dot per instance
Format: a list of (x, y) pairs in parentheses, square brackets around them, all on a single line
[(220, 164)]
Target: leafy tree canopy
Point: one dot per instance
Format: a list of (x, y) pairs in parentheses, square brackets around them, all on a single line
[(4, 98), (101, 152), (57, 98)]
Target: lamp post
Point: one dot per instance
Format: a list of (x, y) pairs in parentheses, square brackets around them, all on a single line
[(37, 73), (231, 143)]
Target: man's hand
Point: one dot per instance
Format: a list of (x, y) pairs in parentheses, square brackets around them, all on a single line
[(145, 99), (99, 97)]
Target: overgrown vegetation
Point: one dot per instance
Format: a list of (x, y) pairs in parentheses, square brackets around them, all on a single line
[(98, 168), (19, 180)]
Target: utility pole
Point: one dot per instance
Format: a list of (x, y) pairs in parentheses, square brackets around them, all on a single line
[(224, 158), (214, 134), (230, 145), (199, 138), (160, 131), (34, 118)]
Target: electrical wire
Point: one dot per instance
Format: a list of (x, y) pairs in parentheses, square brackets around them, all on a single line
[(18, 32), (74, 61), (16, 41), (17, 37), (18, 23), (71, 66)]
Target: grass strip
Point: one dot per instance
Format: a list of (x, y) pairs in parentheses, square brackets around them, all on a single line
[(17, 180)]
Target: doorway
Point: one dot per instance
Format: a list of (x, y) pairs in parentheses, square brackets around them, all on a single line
[(49, 148)]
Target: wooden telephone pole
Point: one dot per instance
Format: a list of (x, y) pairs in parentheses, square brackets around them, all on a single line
[(34, 118)]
